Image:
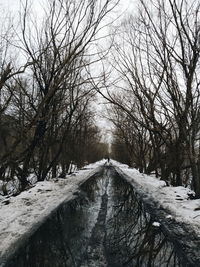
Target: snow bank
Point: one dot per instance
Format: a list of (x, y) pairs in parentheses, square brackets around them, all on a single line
[(19, 215), (173, 199), (95, 165)]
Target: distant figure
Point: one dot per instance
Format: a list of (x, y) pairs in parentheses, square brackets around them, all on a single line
[(107, 160)]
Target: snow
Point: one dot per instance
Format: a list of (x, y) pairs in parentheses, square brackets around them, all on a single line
[(156, 224), (169, 217), (95, 165), (173, 199), (18, 215)]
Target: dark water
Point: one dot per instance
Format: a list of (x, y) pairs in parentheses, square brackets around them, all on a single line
[(105, 225)]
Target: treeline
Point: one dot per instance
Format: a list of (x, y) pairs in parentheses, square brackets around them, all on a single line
[(156, 92), (46, 114)]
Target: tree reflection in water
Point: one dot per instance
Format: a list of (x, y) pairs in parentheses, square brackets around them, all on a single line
[(132, 240), (118, 228)]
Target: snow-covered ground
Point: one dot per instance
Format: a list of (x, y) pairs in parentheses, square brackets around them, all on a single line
[(20, 214), (174, 199)]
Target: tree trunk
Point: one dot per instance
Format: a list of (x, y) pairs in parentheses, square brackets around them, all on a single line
[(196, 177)]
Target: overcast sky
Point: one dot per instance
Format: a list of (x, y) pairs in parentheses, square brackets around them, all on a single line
[(13, 7)]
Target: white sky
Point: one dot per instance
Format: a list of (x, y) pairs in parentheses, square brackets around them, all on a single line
[(13, 7)]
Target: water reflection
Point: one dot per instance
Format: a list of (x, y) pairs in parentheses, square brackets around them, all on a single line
[(64, 238), (132, 240), (106, 225)]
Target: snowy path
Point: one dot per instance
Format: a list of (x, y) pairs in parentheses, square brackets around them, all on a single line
[(175, 200), (175, 212), (23, 214)]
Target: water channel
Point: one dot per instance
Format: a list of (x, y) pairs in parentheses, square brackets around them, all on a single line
[(104, 225)]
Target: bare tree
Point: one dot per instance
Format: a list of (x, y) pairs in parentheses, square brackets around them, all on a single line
[(51, 100), (156, 58)]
